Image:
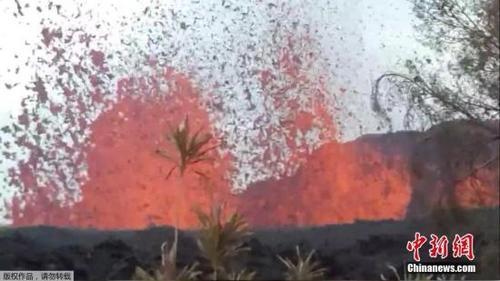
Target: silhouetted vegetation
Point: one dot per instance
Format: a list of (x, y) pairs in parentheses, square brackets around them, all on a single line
[(219, 241), (303, 268), (466, 86)]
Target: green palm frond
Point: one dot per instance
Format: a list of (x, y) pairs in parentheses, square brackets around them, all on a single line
[(191, 148), (169, 258), (241, 275), (168, 270), (304, 269), (142, 275), (218, 240), (189, 273)]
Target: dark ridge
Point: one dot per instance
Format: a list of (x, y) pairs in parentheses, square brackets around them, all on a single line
[(359, 251)]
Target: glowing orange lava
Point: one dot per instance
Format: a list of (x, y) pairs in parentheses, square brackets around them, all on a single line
[(339, 183), (128, 186)]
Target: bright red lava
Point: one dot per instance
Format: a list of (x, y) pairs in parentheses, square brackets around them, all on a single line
[(128, 187)]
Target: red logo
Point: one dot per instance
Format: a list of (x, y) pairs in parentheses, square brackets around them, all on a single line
[(439, 246), (415, 245), (463, 246)]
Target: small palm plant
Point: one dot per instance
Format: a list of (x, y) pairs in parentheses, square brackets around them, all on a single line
[(191, 147), (304, 269), (168, 270), (219, 241)]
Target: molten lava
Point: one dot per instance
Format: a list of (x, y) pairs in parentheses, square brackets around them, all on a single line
[(128, 185), (339, 183), (91, 150)]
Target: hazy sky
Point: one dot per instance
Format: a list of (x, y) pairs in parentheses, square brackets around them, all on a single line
[(358, 40)]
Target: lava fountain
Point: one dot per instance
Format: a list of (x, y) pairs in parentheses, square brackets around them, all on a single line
[(91, 138)]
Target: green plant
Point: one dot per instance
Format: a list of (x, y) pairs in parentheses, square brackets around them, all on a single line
[(169, 258), (241, 275), (219, 241), (188, 273), (168, 270), (190, 147), (304, 269), (141, 274)]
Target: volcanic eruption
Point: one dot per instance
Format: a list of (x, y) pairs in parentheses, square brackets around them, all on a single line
[(90, 134)]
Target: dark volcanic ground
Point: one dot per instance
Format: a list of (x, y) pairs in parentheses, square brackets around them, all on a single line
[(355, 251)]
